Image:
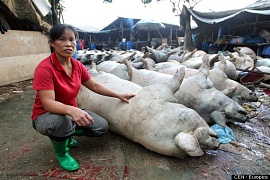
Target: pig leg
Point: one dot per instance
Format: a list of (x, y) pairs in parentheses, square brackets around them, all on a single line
[(188, 143), (177, 80), (192, 53), (183, 56), (146, 64), (205, 66), (127, 58), (213, 60), (168, 55), (129, 69), (146, 55), (229, 91), (219, 118), (222, 64), (237, 99)]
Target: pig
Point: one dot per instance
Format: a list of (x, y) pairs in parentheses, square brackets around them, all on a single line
[(153, 118), (158, 56), (187, 54), (197, 92), (241, 62), (95, 55), (164, 48), (247, 58), (216, 75), (118, 57), (221, 82), (230, 70), (84, 56), (163, 65), (247, 51), (176, 57), (145, 77), (194, 63), (138, 64), (198, 53), (115, 68)]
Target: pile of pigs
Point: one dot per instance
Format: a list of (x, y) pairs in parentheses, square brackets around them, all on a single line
[(179, 95)]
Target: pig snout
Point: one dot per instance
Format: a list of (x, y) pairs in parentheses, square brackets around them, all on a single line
[(207, 138), (240, 116), (253, 97), (210, 143), (236, 113)]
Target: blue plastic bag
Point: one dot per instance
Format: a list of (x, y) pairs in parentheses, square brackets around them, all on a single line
[(225, 135)]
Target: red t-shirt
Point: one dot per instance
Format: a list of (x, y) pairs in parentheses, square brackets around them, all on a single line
[(50, 75)]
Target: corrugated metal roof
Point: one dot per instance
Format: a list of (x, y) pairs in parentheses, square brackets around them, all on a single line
[(87, 29), (113, 26)]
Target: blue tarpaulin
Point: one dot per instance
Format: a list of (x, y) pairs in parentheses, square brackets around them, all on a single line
[(266, 50)]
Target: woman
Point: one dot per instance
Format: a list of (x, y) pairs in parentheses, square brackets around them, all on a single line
[(57, 80)]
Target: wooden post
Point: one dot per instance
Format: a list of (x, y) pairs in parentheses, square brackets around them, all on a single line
[(160, 34), (122, 29), (171, 36)]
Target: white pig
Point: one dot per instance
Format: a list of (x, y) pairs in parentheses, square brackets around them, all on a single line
[(197, 92), (153, 117)]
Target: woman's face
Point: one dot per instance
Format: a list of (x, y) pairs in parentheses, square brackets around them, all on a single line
[(65, 45)]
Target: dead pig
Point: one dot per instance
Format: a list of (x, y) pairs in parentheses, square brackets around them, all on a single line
[(197, 92), (221, 82), (153, 117)]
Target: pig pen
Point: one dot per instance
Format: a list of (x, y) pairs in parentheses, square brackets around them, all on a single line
[(26, 154)]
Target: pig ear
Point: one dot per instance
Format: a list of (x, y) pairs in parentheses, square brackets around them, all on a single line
[(188, 143)]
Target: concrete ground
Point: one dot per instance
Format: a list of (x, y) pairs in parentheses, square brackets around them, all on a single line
[(25, 154)]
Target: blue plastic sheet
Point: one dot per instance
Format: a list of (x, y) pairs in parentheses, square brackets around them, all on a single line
[(266, 50), (225, 135)]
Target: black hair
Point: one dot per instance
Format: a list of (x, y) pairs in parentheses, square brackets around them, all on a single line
[(57, 31)]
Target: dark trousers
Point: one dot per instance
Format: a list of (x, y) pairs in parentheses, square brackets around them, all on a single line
[(62, 126)]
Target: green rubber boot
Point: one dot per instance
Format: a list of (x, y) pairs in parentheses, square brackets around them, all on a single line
[(66, 161), (78, 132), (72, 143)]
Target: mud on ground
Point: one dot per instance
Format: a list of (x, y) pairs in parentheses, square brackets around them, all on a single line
[(10, 90), (249, 154)]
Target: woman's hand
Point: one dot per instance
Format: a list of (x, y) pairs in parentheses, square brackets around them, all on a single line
[(92, 85), (80, 117), (125, 97)]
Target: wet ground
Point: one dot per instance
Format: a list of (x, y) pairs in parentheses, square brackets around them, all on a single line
[(25, 154)]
